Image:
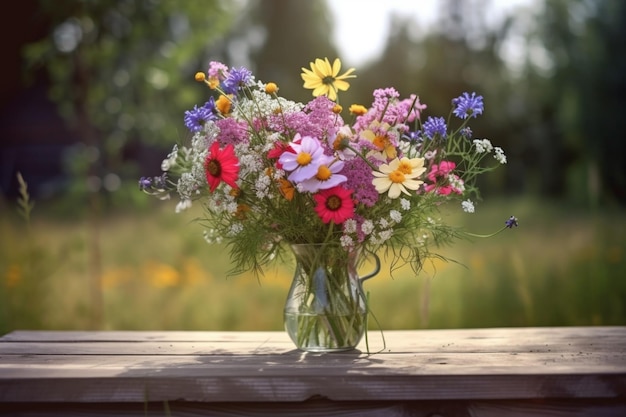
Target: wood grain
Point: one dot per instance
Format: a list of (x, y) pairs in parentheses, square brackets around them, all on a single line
[(468, 369)]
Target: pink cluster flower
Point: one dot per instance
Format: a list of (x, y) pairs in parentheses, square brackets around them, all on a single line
[(443, 181)]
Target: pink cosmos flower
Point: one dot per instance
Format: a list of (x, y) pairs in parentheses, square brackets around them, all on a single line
[(305, 160), (328, 176)]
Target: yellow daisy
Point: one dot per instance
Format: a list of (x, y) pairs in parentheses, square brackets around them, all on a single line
[(324, 79), (399, 175)]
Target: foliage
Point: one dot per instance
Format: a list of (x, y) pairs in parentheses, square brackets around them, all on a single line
[(26, 266), (565, 269), (112, 62), (576, 101), (109, 68)]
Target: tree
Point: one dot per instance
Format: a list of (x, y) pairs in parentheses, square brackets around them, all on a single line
[(580, 99), (121, 72), (276, 38)]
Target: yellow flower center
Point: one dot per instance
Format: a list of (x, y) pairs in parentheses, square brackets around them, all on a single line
[(397, 177), (304, 159), (380, 142), (323, 173), (405, 168)]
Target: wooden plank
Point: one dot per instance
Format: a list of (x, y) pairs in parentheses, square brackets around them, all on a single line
[(332, 364), (516, 335), (527, 363), (588, 347), (142, 336), (483, 340), (326, 408), (512, 339), (137, 387)]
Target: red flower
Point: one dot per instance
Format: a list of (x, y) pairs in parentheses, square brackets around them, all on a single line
[(221, 165), (334, 204), (278, 149)]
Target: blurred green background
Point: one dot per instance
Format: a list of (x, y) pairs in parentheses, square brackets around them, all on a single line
[(93, 96)]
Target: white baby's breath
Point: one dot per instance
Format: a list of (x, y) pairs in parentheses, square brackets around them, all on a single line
[(499, 155), (483, 145), (468, 206)]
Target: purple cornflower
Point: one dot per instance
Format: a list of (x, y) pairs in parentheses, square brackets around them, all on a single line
[(467, 133), (237, 78), (151, 183), (435, 126), (145, 183), (512, 221), (195, 119), (468, 106), (414, 136)]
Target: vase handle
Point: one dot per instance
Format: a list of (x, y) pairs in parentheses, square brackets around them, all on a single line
[(374, 272)]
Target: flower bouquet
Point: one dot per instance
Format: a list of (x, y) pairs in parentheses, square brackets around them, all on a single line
[(324, 184)]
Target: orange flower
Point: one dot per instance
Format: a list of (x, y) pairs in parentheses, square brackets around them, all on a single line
[(242, 209), (357, 109), (223, 104), (286, 188), (271, 88)]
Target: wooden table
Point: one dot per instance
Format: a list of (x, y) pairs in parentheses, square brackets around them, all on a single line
[(472, 372)]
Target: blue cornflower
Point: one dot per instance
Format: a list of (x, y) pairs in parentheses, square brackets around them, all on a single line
[(210, 106), (435, 126), (468, 106), (237, 78), (512, 221), (413, 136), (467, 133), (195, 119)]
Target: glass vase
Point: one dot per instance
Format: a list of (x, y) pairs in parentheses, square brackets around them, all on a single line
[(326, 308)]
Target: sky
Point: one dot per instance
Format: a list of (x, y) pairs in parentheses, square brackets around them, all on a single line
[(362, 26)]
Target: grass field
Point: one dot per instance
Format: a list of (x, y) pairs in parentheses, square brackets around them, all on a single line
[(151, 269)]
